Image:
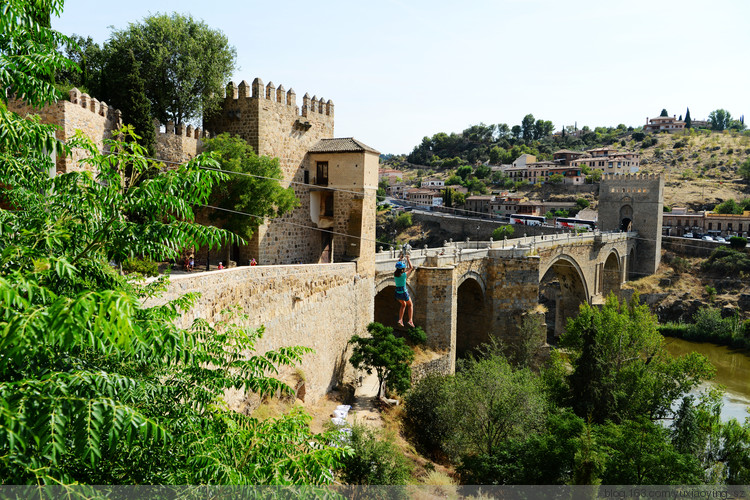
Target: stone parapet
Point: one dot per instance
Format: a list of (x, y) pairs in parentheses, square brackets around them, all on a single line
[(317, 306)]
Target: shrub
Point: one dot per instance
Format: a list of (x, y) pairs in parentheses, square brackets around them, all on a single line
[(403, 221), (423, 418), (416, 336), (737, 242), (709, 325), (638, 136), (501, 232), (727, 261), (582, 203), (145, 267), (376, 459)]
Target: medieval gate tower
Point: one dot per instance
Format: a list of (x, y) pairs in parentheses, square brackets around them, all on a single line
[(634, 203), (334, 179)]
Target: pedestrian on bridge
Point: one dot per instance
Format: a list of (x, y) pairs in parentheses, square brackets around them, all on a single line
[(402, 295)]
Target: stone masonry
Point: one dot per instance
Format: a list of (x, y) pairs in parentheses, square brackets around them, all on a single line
[(317, 306)]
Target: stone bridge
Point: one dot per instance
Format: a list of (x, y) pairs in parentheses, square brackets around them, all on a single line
[(467, 291)]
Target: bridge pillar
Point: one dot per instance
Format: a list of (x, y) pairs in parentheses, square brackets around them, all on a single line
[(437, 306), (513, 289)]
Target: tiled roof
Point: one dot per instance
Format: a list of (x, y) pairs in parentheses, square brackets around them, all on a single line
[(342, 145)]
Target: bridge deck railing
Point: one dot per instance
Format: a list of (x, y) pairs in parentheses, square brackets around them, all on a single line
[(458, 251)]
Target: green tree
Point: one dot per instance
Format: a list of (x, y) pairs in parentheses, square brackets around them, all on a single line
[(184, 64), (375, 459), (500, 233), (620, 368), (89, 57), (719, 119), (744, 170), (641, 453), (527, 127), (464, 172), (664, 112), (130, 94), (95, 386), (688, 120), (728, 207), (492, 402), (388, 355), (582, 203), (256, 191), (555, 179)]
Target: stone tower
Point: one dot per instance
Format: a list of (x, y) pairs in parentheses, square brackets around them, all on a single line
[(634, 203), (268, 118)]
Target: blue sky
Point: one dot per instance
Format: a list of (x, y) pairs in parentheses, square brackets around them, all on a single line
[(400, 70)]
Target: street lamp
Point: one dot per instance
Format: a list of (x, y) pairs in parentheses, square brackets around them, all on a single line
[(478, 236)]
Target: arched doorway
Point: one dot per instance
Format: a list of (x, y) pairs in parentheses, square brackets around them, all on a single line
[(562, 290), (611, 275), (626, 218), (471, 318)]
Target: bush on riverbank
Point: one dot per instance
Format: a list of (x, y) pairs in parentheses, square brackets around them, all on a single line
[(709, 326)]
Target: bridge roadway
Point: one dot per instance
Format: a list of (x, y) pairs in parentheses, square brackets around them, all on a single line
[(466, 291)]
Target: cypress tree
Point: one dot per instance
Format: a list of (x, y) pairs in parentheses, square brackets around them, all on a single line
[(688, 121), (664, 112)]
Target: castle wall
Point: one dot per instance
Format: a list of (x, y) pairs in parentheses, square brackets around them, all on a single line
[(178, 144), (94, 118), (318, 306), (272, 123)]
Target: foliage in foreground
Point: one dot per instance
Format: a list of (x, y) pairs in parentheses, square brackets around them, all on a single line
[(601, 423), (388, 355), (375, 459), (97, 384)]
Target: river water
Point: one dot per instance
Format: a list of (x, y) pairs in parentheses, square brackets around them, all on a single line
[(732, 371)]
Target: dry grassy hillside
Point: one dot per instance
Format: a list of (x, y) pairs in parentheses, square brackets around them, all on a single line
[(700, 166)]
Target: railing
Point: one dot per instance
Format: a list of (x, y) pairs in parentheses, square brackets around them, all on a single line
[(458, 251)]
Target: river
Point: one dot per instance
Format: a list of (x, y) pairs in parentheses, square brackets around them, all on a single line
[(732, 371)]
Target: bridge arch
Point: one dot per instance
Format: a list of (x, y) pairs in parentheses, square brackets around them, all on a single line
[(562, 289), (472, 318), (386, 305), (611, 273), (475, 276)]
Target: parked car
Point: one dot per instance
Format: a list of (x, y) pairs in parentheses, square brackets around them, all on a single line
[(707, 238), (687, 235), (720, 239)]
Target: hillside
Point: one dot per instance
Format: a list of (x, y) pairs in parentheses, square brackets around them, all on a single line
[(700, 165)]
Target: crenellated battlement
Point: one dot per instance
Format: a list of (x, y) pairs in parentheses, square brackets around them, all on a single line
[(180, 130), (95, 106), (311, 107), (631, 177)]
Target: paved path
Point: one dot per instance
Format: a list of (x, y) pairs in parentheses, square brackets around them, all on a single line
[(364, 409)]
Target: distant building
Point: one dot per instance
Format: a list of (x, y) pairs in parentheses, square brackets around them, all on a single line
[(433, 183), (564, 157), (680, 221), (663, 123), (423, 197), (609, 161), (391, 174), (479, 203)]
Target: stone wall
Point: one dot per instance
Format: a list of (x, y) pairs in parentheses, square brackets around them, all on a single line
[(178, 144), (459, 228), (439, 365), (318, 306), (690, 247)]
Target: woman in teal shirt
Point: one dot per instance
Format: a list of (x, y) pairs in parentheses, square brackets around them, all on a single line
[(402, 295)]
